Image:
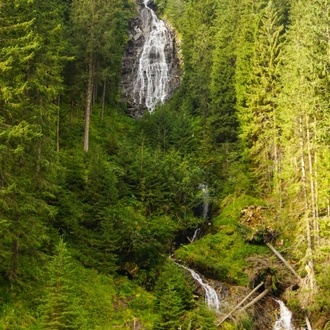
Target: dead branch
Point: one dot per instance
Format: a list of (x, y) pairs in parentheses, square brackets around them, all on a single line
[(284, 261), (261, 295), (241, 302)]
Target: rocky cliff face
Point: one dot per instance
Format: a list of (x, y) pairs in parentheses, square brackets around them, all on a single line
[(132, 88)]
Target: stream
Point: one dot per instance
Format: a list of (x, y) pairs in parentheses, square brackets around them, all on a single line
[(284, 321), (211, 296), (151, 86)]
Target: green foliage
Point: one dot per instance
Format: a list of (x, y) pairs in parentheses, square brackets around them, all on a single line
[(31, 63), (222, 86), (173, 293), (200, 318), (255, 64), (259, 122), (59, 309), (222, 255)]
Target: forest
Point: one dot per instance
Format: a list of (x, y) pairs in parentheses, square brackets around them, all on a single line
[(96, 205)]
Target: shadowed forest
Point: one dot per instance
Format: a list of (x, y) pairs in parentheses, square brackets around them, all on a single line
[(93, 202)]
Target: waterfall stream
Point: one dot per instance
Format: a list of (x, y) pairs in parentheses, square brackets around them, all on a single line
[(284, 322), (195, 235), (211, 297), (151, 86), (206, 199)]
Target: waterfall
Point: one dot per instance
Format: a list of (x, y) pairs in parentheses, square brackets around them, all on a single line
[(195, 235), (151, 85), (206, 199), (211, 297), (284, 322)]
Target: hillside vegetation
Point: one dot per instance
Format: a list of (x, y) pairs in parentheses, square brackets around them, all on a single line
[(93, 202)]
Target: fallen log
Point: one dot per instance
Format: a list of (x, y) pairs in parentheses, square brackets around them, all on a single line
[(278, 255), (309, 326), (255, 300), (240, 303)]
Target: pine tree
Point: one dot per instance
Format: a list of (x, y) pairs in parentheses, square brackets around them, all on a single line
[(173, 295), (98, 36), (197, 48), (31, 65), (59, 309), (303, 118), (223, 118), (259, 119), (249, 18)]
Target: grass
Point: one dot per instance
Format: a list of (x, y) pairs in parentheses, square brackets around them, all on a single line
[(222, 254)]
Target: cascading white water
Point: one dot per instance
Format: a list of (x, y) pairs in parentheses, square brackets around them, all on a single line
[(195, 235), (211, 297), (284, 322), (206, 199), (151, 86)]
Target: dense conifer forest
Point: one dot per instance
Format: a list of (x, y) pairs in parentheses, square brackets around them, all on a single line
[(93, 202)]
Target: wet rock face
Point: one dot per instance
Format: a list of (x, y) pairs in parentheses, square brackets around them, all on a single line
[(131, 66)]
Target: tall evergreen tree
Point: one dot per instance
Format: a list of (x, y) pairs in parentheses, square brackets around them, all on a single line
[(303, 123), (59, 310), (223, 118), (98, 36), (259, 119), (174, 296), (249, 12), (31, 65), (197, 49)]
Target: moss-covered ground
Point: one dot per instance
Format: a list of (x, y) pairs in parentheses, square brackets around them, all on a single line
[(222, 253)]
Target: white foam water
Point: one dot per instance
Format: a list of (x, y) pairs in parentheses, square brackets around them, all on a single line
[(151, 86)]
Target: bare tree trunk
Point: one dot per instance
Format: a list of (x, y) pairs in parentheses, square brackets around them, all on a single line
[(240, 303), (255, 300), (312, 179), (12, 274), (89, 97), (309, 252), (309, 326), (103, 98), (304, 183), (58, 125), (283, 260), (95, 89)]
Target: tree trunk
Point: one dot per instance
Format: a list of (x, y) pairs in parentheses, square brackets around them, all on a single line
[(309, 252), (304, 183), (89, 97), (58, 126), (103, 98), (283, 260), (240, 303), (95, 90), (12, 275), (312, 179), (255, 300)]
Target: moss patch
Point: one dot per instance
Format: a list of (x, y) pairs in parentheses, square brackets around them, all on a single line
[(222, 255)]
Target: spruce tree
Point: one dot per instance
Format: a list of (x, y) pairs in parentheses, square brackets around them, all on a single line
[(31, 65), (249, 18), (59, 308), (303, 123), (259, 119), (223, 118), (174, 296), (98, 38)]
